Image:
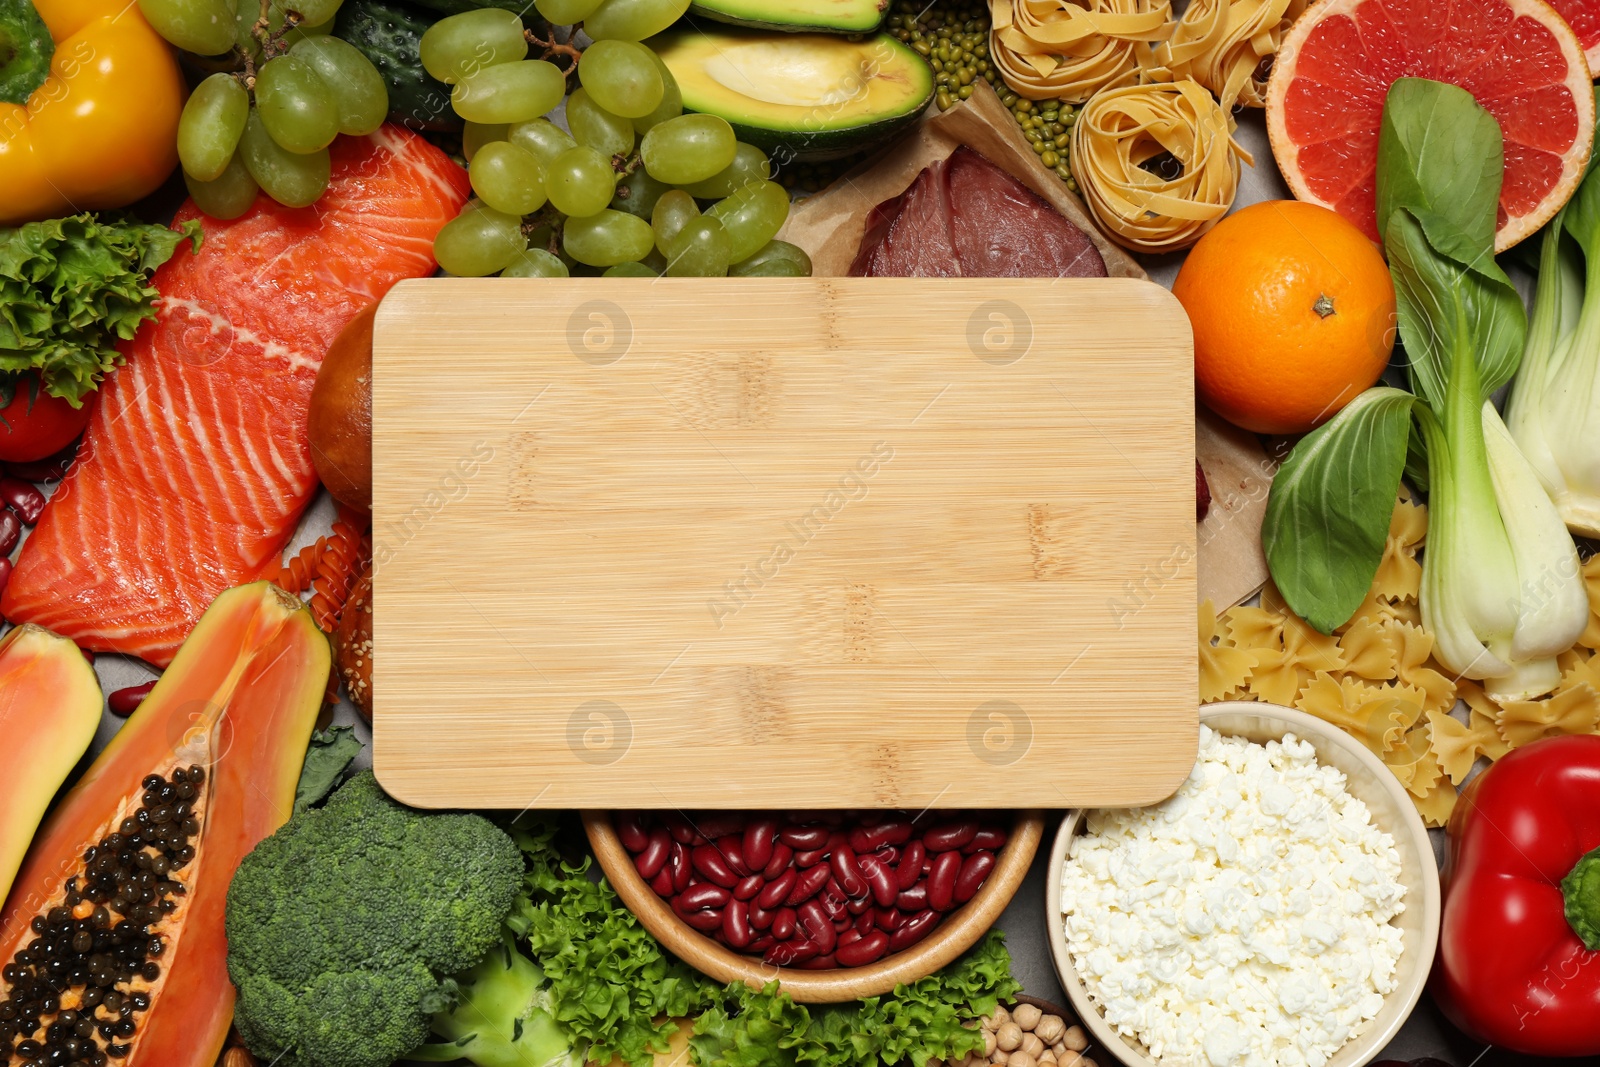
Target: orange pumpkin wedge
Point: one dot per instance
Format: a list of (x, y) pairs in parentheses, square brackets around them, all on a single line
[(128, 877), (49, 710)]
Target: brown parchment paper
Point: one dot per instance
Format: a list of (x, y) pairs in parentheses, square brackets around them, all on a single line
[(829, 225), (1230, 566)]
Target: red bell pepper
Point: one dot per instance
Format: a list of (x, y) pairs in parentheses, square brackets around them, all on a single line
[(1519, 947)]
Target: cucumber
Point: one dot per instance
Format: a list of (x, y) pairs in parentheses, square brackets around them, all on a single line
[(388, 33)]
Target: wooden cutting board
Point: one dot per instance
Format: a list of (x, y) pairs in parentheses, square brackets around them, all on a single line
[(783, 543)]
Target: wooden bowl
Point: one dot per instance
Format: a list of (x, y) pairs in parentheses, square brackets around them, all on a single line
[(1392, 812), (957, 933)]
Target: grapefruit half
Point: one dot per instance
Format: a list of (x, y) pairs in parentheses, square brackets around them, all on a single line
[(1519, 58), (1584, 18)]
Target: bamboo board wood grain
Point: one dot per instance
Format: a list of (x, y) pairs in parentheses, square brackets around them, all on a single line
[(783, 543)]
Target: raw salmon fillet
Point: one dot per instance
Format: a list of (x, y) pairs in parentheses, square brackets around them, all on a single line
[(195, 467)]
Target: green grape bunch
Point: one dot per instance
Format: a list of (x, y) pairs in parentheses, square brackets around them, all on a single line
[(622, 183), (266, 125)]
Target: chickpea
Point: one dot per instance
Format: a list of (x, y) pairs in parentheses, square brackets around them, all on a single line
[(988, 1043), (999, 1055), (1020, 1058), (998, 1019), (1032, 1045), (1026, 1016), (1048, 1059), (1050, 1029), (1075, 1039), (1009, 1037), (1061, 1050)]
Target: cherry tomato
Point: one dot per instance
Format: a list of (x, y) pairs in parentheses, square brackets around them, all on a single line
[(35, 424)]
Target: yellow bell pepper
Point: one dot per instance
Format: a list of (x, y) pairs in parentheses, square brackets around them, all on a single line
[(102, 131)]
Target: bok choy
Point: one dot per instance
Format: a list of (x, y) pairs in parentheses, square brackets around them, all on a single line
[(1554, 410), (1501, 590)]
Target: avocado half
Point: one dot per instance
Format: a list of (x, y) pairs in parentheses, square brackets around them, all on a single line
[(799, 96), (796, 16)]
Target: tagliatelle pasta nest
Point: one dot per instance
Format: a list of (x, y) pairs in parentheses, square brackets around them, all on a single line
[(1377, 680), (1072, 49), (1122, 130), (1222, 45)]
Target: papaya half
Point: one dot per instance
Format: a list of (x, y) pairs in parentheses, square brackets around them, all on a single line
[(112, 941), (49, 710)]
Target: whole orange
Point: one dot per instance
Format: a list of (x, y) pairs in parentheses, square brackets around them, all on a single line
[(1293, 315)]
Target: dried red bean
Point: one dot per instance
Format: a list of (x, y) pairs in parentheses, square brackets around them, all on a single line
[(788, 953), (761, 944), (760, 917), (810, 858), (887, 855), (748, 887), (759, 837), (783, 923), (870, 948), (808, 885), (870, 839), (123, 702), (913, 899), (681, 831), (654, 856), (857, 905), (631, 832), (778, 891), (952, 835), (973, 871), (680, 867), (709, 862), (844, 922), (867, 920), (662, 883), (890, 919), (804, 838), (913, 930), (814, 926), (942, 881), (731, 849), (704, 921), (699, 897), (833, 899), (819, 963), (717, 824), (10, 531), (847, 872), (848, 937), (50, 469), (782, 857), (990, 839), (27, 501), (879, 878), (909, 872), (736, 925)]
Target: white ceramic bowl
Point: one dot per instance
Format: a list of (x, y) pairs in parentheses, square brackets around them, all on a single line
[(1392, 811)]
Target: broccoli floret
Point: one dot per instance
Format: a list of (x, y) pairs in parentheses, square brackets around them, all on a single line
[(342, 924)]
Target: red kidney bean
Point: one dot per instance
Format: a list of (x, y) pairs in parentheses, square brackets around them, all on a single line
[(760, 944), (810, 858), (776, 892), (869, 948), (731, 848), (807, 885), (736, 925), (819, 963), (700, 897), (783, 923), (10, 531), (704, 921), (991, 839), (913, 899), (870, 839), (23, 497), (709, 862), (950, 835), (654, 856), (913, 930), (847, 872), (758, 840), (748, 887), (888, 855), (662, 883), (782, 857), (760, 917), (804, 838), (848, 937), (815, 927), (50, 469), (123, 702), (834, 902), (717, 824), (942, 881), (879, 878), (844, 922), (858, 905), (682, 870), (867, 920), (909, 871), (5, 576), (836, 840), (681, 831), (974, 870), (890, 919), (631, 831), (788, 953)]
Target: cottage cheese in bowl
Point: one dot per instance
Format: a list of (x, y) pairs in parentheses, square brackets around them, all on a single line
[(1244, 921)]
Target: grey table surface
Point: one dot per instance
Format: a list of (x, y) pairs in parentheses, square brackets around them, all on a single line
[(1426, 1034)]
